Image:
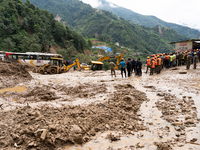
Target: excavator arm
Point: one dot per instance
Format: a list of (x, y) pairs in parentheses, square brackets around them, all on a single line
[(118, 61), (112, 57), (72, 65)]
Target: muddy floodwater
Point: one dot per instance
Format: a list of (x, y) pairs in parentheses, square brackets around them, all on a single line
[(92, 111)]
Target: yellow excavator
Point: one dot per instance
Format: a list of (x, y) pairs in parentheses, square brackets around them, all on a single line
[(55, 66), (67, 68), (112, 57)]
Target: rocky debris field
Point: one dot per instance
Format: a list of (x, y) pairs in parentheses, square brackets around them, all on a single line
[(91, 110), (181, 113), (48, 128), (12, 74)]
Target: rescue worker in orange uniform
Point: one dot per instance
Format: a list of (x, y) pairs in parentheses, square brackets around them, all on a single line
[(167, 61), (159, 64), (156, 64), (152, 66), (148, 62)]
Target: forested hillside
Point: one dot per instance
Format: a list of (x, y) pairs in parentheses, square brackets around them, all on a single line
[(24, 27), (148, 21), (108, 27)]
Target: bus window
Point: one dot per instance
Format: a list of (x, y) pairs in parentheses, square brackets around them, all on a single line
[(31, 57), (14, 56), (21, 57), (47, 58), (9, 56), (39, 57)]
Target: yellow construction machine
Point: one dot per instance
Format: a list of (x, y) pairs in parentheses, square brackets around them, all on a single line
[(112, 57), (67, 68), (55, 66), (96, 65)]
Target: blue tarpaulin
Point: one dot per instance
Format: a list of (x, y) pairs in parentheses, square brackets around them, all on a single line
[(105, 48)]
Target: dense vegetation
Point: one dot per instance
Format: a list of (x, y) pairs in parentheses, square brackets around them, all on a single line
[(149, 21), (108, 27), (24, 27)]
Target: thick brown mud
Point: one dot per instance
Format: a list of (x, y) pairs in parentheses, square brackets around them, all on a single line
[(12, 74), (48, 128), (91, 110)]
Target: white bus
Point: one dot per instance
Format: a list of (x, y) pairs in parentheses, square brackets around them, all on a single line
[(32, 59)]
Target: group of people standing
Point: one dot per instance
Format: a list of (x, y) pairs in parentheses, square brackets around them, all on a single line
[(157, 62), (131, 66)]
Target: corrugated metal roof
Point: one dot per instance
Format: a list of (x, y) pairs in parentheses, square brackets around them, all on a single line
[(192, 40)]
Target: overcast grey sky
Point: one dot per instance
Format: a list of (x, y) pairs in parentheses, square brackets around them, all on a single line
[(183, 12)]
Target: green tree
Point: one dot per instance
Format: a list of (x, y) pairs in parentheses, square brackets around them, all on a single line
[(8, 45), (83, 58), (114, 48), (89, 43), (30, 44), (106, 65)]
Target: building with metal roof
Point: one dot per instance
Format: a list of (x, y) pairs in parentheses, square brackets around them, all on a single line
[(186, 45)]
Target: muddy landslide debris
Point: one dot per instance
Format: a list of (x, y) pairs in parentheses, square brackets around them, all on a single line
[(12, 74), (181, 113), (48, 128)]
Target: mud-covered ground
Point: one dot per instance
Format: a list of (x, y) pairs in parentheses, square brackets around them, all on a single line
[(91, 110), (12, 74)]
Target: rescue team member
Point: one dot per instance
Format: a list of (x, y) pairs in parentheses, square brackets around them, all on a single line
[(152, 66), (123, 69), (139, 67), (162, 60), (189, 58), (185, 58), (133, 65), (192, 54), (129, 67), (159, 62), (195, 60), (112, 68), (179, 58), (167, 59), (198, 54), (171, 60), (148, 62), (156, 63), (174, 59)]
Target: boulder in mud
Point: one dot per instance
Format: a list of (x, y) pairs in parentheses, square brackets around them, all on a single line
[(177, 123), (113, 137), (182, 72), (78, 139), (128, 98), (160, 94), (163, 146), (75, 129), (44, 134)]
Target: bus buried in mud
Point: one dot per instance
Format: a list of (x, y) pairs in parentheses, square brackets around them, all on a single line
[(31, 59)]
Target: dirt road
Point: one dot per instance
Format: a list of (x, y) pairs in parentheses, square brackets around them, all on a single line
[(91, 110)]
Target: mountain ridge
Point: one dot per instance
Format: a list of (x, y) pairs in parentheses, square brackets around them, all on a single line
[(92, 22), (147, 20)]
